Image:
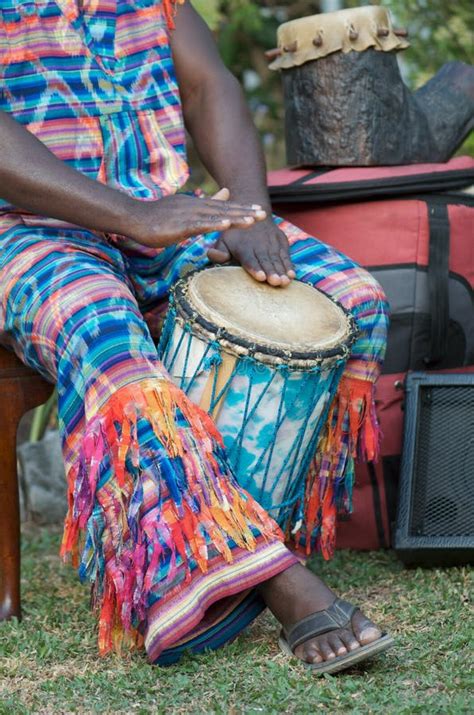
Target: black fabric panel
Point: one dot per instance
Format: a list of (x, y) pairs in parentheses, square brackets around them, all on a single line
[(438, 281), (391, 476), (398, 281), (409, 340), (377, 505)]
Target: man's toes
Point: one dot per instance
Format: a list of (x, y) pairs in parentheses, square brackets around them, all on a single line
[(336, 644), (312, 654), (309, 653), (349, 640), (365, 631), (325, 648), (369, 634)]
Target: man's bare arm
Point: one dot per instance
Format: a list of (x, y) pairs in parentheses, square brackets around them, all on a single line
[(218, 119), (33, 179), (215, 110)]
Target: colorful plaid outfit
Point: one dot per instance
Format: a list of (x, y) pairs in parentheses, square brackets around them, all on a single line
[(157, 523)]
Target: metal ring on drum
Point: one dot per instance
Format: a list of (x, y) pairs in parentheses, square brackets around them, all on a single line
[(265, 363)]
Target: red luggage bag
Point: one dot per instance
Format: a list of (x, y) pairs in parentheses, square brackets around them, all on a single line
[(413, 228)]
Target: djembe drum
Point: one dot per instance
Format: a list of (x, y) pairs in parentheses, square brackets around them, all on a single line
[(265, 363)]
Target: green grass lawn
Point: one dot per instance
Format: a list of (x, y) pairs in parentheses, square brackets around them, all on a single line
[(48, 663)]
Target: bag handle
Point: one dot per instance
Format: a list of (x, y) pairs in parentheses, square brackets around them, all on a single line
[(438, 279)]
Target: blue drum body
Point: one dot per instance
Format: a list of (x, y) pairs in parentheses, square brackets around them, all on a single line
[(270, 404)]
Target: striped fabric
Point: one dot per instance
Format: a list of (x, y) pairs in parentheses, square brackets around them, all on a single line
[(97, 87), (157, 523)]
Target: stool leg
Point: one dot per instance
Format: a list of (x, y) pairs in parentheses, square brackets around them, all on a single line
[(11, 407)]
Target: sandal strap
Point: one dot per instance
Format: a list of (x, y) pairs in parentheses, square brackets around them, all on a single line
[(338, 615)]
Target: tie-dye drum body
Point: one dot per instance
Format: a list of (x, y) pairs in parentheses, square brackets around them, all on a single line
[(265, 363)]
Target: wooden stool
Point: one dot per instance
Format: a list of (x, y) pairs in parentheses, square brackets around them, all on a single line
[(21, 389)]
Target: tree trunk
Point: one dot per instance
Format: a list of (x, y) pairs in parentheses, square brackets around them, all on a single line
[(354, 110)]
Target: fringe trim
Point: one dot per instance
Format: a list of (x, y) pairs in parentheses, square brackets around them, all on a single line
[(127, 549), (352, 432), (170, 9)]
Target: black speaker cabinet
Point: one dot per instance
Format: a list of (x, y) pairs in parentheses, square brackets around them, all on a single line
[(435, 521)]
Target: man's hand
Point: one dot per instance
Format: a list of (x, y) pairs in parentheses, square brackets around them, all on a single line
[(34, 179), (262, 251), (174, 218), (217, 117)]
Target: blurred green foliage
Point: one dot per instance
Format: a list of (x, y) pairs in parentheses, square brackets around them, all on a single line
[(438, 31)]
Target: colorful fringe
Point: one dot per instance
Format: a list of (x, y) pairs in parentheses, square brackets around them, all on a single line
[(156, 513), (170, 9), (351, 432)]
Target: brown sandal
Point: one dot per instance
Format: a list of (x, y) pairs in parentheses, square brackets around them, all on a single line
[(339, 615)]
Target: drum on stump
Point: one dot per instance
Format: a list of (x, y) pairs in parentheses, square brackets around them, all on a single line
[(346, 103), (265, 363)]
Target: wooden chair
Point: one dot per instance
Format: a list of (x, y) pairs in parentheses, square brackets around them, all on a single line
[(21, 389)]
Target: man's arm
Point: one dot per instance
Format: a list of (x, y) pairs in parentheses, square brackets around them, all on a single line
[(34, 179), (218, 119)]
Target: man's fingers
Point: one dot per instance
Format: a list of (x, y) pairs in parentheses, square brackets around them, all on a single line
[(234, 215), (224, 195), (221, 195), (219, 203), (250, 262), (273, 266), (218, 255), (207, 225), (279, 263), (266, 264), (286, 261), (223, 206), (285, 254), (236, 221), (196, 225)]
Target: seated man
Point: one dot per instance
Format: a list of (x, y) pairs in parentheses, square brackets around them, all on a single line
[(94, 97)]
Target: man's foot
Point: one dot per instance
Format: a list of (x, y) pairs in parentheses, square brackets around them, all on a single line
[(297, 593)]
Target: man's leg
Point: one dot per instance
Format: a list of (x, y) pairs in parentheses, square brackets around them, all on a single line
[(351, 431), (172, 546)]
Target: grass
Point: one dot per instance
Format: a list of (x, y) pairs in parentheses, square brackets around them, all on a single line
[(48, 662)]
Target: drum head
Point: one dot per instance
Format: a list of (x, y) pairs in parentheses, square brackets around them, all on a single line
[(316, 36), (297, 321)]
